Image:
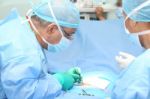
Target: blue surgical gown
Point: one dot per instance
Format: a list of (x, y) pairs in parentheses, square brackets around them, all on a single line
[(134, 82), (23, 64)]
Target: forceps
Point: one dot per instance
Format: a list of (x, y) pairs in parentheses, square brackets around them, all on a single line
[(84, 93)]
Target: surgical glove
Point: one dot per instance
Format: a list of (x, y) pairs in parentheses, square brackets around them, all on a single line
[(124, 59), (76, 73), (68, 78)]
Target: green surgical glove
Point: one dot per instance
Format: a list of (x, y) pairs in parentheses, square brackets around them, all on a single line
[(68, 79), (76, 73)]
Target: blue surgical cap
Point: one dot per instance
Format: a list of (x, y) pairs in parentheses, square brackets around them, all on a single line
[(66, 14), (143, 15)]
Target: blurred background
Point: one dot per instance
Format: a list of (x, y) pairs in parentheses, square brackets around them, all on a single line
[(87, 8)]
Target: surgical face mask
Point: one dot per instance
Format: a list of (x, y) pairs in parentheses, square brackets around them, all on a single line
[(135, 39), (135, 36), (63, 43)]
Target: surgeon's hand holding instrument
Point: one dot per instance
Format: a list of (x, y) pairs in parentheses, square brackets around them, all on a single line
[(69, 78), (76, 73), (124, 59)]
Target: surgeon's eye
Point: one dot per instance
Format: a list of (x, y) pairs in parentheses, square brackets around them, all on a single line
[(68, 35)]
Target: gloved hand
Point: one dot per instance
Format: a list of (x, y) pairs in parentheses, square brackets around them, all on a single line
[(76, 73), (124, 59), (68, 79)]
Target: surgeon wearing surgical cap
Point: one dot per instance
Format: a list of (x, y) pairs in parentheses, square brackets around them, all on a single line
[(50, 25), (134, 80)]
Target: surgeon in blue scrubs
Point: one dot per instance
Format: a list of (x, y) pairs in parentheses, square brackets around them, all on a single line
[(134, 81), (50, 25)]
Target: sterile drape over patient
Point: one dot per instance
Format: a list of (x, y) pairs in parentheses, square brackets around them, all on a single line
[(95, 54)]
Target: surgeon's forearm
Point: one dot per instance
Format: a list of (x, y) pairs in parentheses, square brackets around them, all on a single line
[(49, 87), (43, 88), (22, 80)]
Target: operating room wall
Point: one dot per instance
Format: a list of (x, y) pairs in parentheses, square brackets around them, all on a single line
[(7, 5)]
